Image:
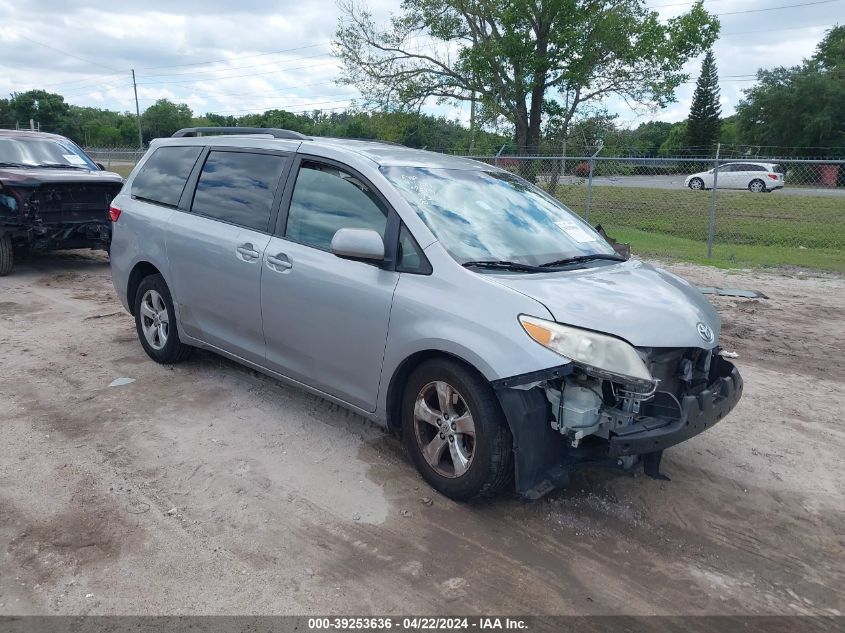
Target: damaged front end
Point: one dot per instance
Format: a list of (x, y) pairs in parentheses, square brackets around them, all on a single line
[(575, 415), (55, 215)]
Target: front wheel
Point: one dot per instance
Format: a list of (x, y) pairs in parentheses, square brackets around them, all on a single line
[(696, 184), (757, 186), (455, 430), (155, 321)]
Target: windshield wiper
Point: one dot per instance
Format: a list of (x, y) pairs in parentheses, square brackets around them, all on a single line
[(577, 259), (62, 166), (11, 164), (502, 265)]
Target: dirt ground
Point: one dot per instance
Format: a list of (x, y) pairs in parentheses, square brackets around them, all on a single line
[(206, 488)]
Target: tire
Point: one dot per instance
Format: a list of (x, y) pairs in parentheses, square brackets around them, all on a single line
[(489, 446), (757, 186), (696, 184), (159, 337), (7, 259)]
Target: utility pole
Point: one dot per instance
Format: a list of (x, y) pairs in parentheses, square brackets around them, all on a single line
[(137, 111)]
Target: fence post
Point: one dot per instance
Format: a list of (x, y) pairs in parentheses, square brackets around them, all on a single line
[(589, 198), (499, 153), (711, 225)]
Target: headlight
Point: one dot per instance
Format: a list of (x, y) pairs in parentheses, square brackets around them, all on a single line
[(592, 349)]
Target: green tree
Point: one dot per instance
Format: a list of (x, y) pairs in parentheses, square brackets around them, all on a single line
[(163, 118), (802, 107), (46, 109), (7, 117), (520, 59), (676, 141), (704, 123), (646, 139), (729, 134)]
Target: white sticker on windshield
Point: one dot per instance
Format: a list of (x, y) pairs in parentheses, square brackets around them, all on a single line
[(574, 230), (73, 159)]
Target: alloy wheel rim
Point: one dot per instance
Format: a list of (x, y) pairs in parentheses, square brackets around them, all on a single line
[(444, 429), (696, 184), (756, 187), (155, 322)]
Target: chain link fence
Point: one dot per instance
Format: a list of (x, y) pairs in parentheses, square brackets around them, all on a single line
[(119, 159), (763, 211)]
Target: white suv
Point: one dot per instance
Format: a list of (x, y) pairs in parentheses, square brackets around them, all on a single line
[(756, 177)]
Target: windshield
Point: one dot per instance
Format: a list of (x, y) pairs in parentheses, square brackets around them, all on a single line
[(36, 152), (484, 215)]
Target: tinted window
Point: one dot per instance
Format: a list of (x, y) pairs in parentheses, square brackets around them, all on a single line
[(163, 176), (410, 258), (326, 199), (238, 187)]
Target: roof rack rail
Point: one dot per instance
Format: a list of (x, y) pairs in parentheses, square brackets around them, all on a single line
[(272, 131), (368, 140)]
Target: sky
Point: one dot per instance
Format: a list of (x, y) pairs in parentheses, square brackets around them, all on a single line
[(248, 56)]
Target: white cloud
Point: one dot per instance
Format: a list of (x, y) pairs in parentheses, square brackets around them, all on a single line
[(170, 44)]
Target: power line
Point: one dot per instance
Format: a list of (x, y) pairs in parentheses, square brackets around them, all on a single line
[(676, 4), (791, 28), (215, 61), (217, 70), (270, 72), (306, 105), (58, 50), (786, 6)]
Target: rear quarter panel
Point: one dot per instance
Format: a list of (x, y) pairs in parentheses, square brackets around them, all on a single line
[(138, 236)]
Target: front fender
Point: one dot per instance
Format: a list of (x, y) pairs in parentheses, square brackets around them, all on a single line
[(470, 318)]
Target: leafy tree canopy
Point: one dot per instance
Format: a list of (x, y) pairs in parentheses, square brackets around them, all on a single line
[(802, 107), (522, 59)]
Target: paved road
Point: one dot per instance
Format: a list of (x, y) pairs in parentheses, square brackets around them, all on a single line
[(677, 182)]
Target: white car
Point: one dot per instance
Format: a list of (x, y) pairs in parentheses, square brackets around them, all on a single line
[(756, 177)]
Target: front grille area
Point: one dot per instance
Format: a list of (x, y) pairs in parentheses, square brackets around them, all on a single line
[(71, 204)]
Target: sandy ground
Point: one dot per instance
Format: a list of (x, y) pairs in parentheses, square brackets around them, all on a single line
[(207, 488)]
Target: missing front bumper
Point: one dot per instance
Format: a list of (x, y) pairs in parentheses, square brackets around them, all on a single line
[(698, 413), (544, 460)]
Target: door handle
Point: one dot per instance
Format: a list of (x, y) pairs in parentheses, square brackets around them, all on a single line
[(279, 262), (247, 251)]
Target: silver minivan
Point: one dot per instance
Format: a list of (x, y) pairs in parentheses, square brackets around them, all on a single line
[(441, 297)]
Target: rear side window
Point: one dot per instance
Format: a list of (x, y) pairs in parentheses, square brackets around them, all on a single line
[(238, 188), (326, 199), (163, 176)]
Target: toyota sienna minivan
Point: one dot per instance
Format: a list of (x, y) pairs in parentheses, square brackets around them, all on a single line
[(439, 296)]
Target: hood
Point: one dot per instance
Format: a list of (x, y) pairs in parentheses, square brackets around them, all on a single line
[(646, 306), (34, 176)]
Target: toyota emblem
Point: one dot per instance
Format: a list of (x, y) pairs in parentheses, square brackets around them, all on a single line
[(705, 332)]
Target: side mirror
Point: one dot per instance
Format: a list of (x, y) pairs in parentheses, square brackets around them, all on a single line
[(363, 244), (101, 166)]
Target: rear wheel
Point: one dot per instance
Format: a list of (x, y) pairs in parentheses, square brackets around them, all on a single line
[(155, 321), (696, 184), (757, 186), (7, 261), (455, 430)]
